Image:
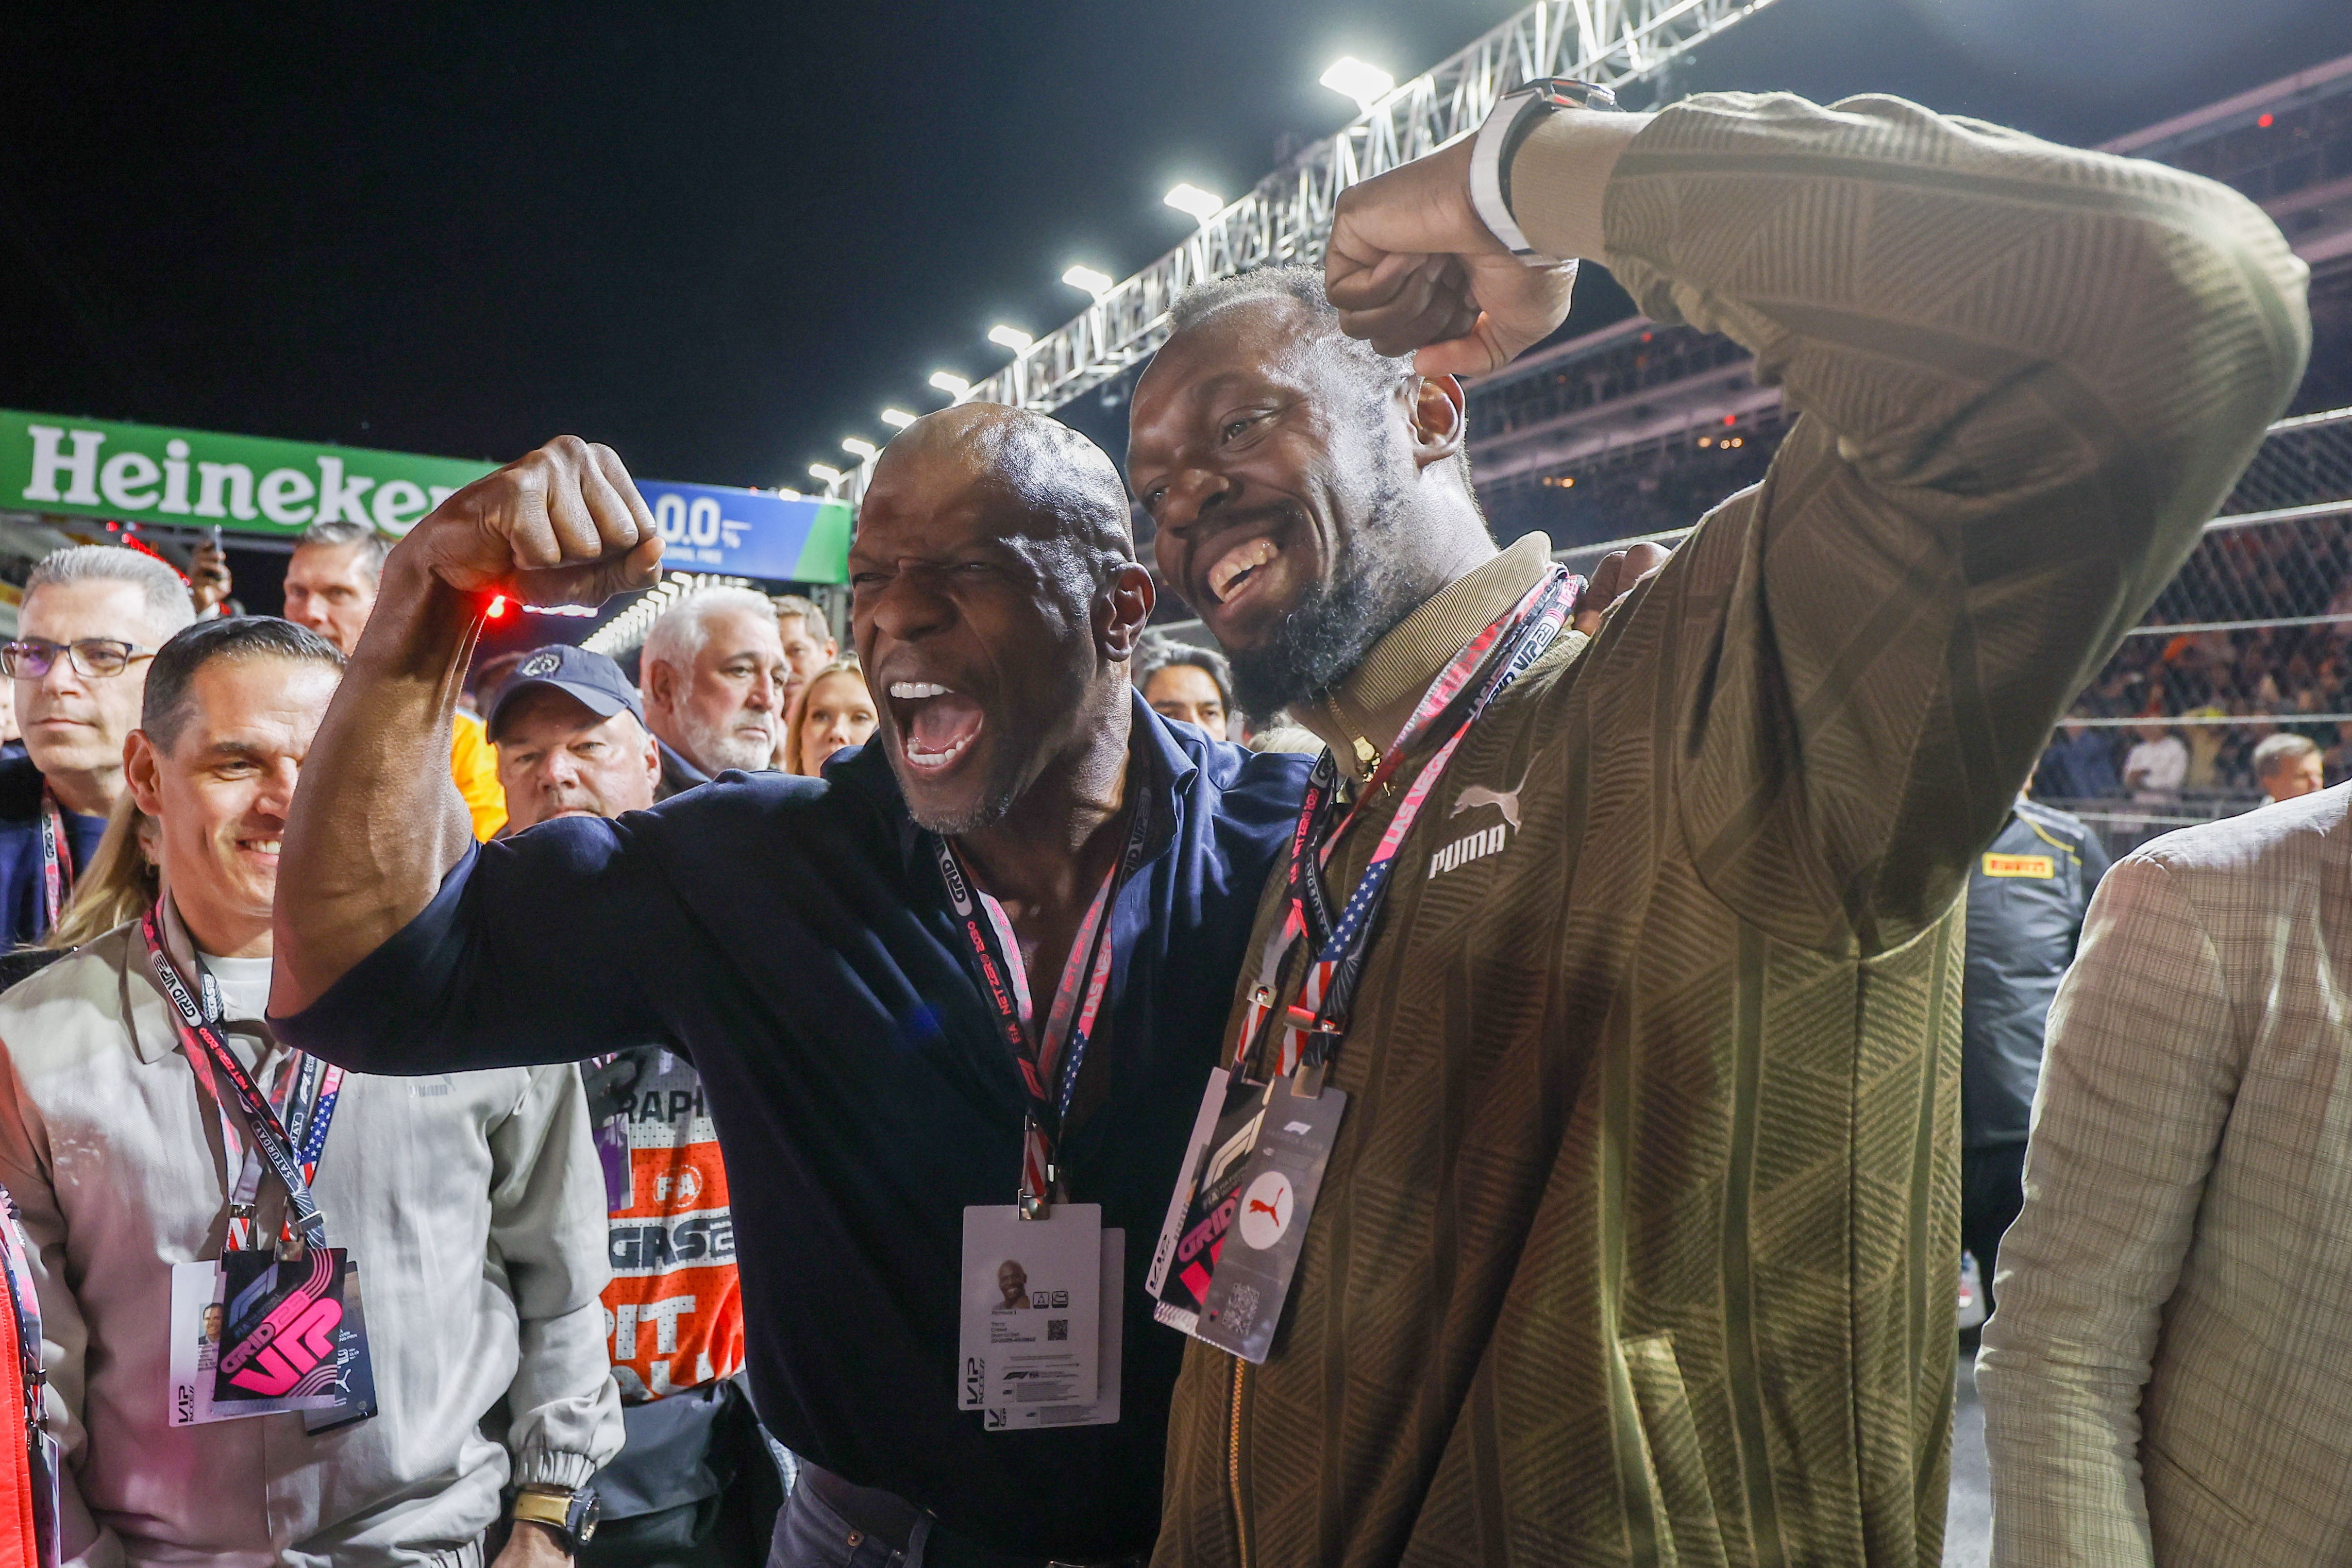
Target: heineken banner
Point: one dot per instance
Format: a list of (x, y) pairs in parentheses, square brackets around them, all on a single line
[(243, 484)]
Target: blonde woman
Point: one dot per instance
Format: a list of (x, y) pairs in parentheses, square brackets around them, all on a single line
[(119, 885), (832, 711)]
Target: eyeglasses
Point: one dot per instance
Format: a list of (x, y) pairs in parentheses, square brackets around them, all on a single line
[(93, 657)]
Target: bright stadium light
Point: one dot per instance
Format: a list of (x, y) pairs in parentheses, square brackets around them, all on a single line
[(1095, 282), (1195, 202), (1351, 78), (857, 446), (824, 473), (897, 418), (1012, 338), (951, 383), (787, 493)]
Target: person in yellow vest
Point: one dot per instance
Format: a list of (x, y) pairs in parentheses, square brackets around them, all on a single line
[(330, 588)]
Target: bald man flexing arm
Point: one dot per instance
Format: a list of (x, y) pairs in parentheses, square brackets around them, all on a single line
[(800, 941)]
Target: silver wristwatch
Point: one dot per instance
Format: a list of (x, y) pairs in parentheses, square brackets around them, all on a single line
[(1517, 112)]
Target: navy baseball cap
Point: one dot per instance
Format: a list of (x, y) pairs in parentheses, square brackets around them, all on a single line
[(590, 679)]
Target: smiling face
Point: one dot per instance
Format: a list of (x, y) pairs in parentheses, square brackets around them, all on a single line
[(992, 640), (556, 759), (1288, 489), (220, 790), (837, 712), (75, 723)]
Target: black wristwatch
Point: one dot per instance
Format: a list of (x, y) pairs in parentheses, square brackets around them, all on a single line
[(570, 1514), (1516, 114)]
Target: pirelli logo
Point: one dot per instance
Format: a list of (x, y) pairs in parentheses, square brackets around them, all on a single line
[(2021, 866)]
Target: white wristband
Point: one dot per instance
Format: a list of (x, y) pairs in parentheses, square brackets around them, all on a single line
[(1486, 178)]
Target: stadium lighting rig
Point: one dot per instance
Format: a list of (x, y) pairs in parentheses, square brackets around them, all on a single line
[(628, 629), (857, 446), (1287, 216), (1195, 202), (824, 474), (1351, 78), (897, 418)]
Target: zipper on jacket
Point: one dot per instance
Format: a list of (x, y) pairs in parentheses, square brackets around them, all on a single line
[(1233, 1463)]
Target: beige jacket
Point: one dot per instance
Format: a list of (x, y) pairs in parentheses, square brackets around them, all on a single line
[(2169, 1377), (472, 1203)]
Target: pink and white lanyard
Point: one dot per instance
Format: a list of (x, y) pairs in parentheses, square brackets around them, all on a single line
[(1048, 1065), (57, 860), (1312, 1027), (288, 1128)]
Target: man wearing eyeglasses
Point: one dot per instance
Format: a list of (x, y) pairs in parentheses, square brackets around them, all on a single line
[(92, 617)]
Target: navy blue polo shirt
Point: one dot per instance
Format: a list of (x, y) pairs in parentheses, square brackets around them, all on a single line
[(24, 915), (790, 935)]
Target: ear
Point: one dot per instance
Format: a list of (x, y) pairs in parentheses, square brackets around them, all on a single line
[(652, 758), (1439, 418), (660, 684), (142, 769), (1122, 610)]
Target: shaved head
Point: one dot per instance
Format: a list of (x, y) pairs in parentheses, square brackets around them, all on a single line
[(995, 597), (1035, 468)]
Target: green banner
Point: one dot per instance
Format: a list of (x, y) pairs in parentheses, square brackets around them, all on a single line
[(243, 484)]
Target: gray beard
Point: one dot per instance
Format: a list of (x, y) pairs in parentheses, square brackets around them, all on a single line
[(714, 750)]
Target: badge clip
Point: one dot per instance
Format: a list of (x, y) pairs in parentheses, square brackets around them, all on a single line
[(1307, 1083)]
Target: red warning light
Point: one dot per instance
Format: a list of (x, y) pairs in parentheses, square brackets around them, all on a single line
[(1731, 419), (2263, 120), (497, 610)]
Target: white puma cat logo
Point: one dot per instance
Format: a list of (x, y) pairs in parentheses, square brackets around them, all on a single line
[(1477, 795)]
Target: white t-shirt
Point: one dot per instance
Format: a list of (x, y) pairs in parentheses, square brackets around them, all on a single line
[(2160, 765)]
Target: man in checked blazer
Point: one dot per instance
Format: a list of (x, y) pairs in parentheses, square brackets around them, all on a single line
[(2168, 1377)]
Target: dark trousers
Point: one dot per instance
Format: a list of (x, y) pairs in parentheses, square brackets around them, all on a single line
[(1992, 1189)]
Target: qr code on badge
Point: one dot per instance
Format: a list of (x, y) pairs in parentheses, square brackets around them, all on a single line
[(1056, 1328)]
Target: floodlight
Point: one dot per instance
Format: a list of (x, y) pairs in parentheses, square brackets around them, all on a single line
[(857, 446), (1095, 282), (787, 493), (1012, 338), (1195, 202), (1351, 78), (951, 383), (824, 473), (897, 418)]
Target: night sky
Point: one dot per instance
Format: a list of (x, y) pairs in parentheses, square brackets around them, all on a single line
[(721, 237)]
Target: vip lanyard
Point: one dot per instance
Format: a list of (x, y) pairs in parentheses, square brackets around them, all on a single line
[(308, 1090), (1313, 1026), (56, 860), (1049, 1064)]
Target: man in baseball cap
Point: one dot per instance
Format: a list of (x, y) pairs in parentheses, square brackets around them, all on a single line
[(572, 740)]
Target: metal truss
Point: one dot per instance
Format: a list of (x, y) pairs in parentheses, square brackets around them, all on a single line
[(1287, 217)]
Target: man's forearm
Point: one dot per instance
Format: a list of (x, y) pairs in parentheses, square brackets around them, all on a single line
[(378, 822)]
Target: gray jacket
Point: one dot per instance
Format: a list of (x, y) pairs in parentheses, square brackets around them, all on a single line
[(472, 1204)]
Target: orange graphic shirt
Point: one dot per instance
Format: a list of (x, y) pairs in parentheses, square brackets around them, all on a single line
[(674, 1311)]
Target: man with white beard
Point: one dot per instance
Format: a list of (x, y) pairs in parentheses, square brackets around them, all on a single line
[(713, 678)]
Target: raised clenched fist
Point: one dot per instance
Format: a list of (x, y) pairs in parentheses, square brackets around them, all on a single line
[(561, 524), (1413, 269)]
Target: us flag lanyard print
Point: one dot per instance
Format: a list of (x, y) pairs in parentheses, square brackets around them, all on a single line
[(289, 1128), (1311, 1027), (57, 860), (1049, 1066)]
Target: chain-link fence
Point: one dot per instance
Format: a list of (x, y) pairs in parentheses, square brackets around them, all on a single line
[(2252, 639)]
